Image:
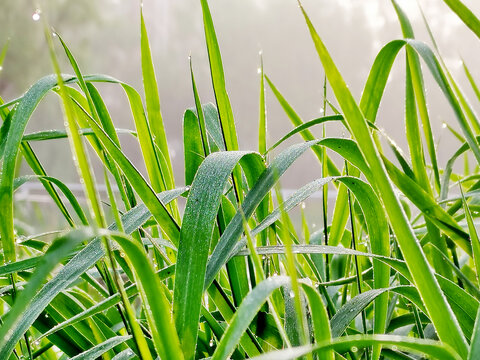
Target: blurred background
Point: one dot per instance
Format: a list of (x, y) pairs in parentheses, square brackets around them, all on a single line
[(104, 35)]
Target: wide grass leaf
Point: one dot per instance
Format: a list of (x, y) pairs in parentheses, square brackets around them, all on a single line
[(197, 228)]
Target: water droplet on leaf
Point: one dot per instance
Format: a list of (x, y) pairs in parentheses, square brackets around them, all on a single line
[(36, 15)]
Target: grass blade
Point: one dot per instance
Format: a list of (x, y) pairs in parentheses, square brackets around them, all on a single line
[(245, 314), (152, 100), (197, 228), (439, 310), (465, 14), (102, 348), (218, 80)]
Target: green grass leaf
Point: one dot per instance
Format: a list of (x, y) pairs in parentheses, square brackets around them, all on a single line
[(440, 312), (195, 236)]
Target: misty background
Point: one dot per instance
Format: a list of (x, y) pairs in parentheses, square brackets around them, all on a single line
[(104, 36)]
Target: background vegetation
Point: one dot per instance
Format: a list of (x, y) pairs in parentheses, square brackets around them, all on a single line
[(139, 272)]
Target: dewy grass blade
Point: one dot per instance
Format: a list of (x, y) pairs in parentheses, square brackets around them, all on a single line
[(101, 349), (290, 266), (155, 304), (19, 121), (197, 228), (414, 74), (415, 90), (267, 180), (440, 312), (378, 233), (131, 321), (433, 349), (152, 100), (218, 80), (321, 324)]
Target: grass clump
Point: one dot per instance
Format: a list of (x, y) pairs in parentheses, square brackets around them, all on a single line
[(228, 275)]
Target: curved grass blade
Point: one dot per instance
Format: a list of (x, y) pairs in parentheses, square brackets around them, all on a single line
[(63, 188), (434, 349), (416, 90), (19, 121), (438, 308), (305, 126)]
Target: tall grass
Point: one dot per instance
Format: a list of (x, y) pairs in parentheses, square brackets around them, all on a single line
[(229, 275)]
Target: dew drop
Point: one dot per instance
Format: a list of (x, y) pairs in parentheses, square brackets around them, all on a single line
[(36, 15), (122, 254), (211, 343), (259, 71), (322, 110), (351, 310), (292, 294), (394, 348), (354, 349), (303, 205)]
